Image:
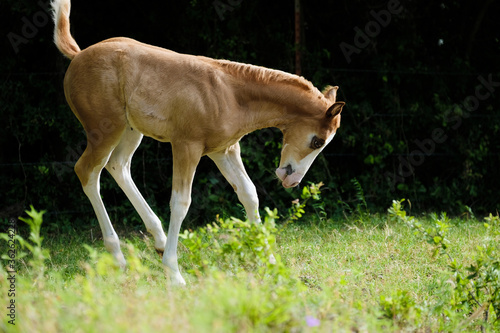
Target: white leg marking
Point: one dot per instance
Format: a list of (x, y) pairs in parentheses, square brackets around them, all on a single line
[(231, 166), (119, 167), (179, 204), (111, 241), (186, 158)]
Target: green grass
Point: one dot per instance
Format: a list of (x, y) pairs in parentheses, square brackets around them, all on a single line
[(335, 273)]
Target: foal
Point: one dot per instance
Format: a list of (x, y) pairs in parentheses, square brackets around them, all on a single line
[(120, 90)]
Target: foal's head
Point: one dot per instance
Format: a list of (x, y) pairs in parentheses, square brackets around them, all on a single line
[(305, 137)]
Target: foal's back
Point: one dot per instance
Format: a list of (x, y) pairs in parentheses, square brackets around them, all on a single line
[(161, 93)]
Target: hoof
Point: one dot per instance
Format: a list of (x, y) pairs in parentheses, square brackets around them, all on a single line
[(160, 253), (178, 280), (120, 260)]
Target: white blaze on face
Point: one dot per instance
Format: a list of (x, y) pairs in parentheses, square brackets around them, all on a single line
[(293, 171)]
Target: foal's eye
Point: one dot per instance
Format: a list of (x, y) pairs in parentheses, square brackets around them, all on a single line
[(317, 142)]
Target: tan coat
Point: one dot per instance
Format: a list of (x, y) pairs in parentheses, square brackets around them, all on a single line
[(121, 89)]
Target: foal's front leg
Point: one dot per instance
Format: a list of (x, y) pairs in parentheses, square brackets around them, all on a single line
[(231, 166), (186, 158)]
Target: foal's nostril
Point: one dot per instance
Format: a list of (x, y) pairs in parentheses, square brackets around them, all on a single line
[(289, 170)]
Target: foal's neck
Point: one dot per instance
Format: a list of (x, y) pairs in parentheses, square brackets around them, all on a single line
[(276, 104), (272, 98)]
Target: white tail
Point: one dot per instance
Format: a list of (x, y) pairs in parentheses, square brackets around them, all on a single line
[(62, 35)]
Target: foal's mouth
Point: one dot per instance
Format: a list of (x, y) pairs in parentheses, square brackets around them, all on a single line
[(289, 178), (291, 185)]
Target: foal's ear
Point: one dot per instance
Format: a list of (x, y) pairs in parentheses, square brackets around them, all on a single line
[(331, 93), (334, 110)]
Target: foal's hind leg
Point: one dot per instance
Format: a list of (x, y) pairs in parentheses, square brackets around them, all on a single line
[(119, 167), (88, 168)]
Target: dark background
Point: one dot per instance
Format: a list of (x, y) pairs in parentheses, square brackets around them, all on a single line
[(405, 132)]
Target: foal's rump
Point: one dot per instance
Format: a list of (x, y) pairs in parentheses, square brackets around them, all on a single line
[(92, 88)]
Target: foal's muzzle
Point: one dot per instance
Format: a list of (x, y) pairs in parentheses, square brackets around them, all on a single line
[(288, 176)]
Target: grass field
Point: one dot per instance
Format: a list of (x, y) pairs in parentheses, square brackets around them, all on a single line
[(364, 273)]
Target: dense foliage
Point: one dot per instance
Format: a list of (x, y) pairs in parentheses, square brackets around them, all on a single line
[(420, 79)]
